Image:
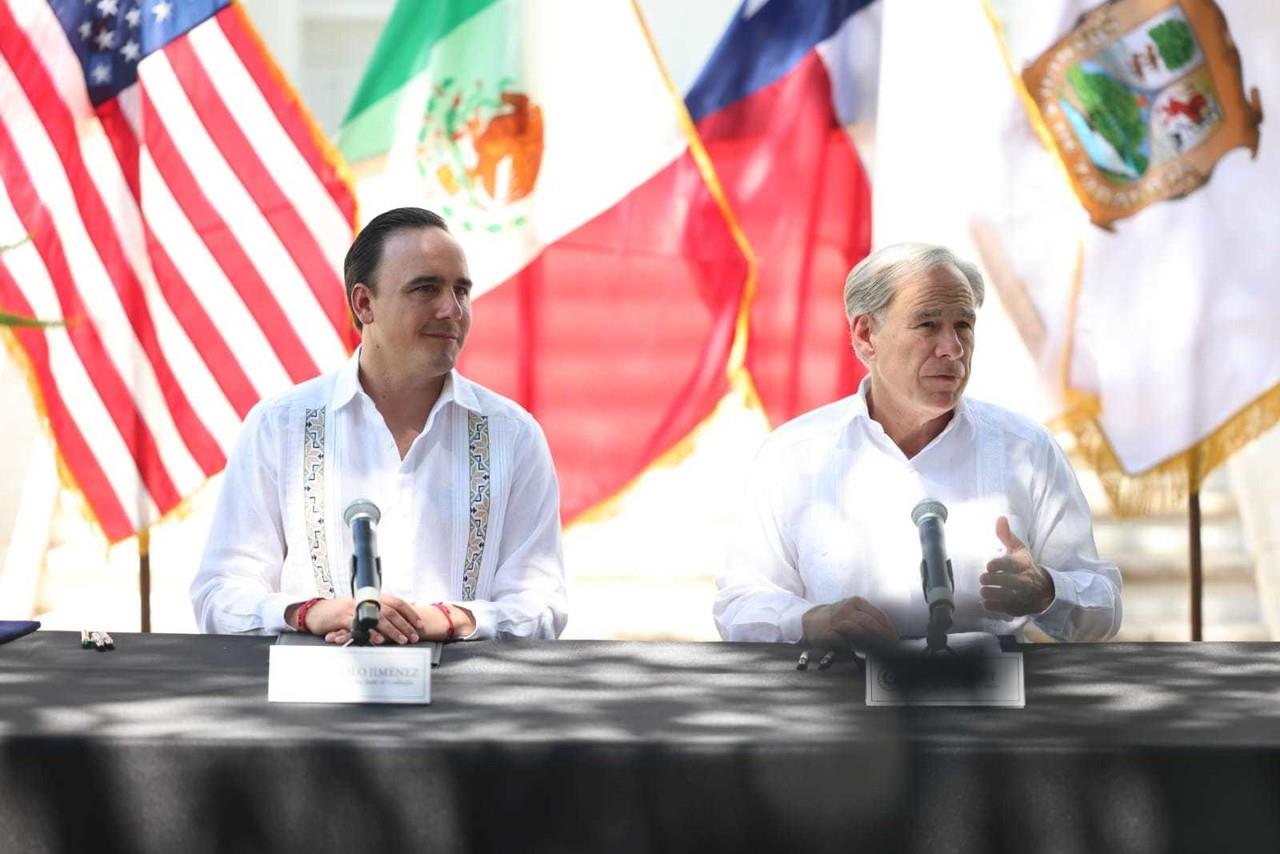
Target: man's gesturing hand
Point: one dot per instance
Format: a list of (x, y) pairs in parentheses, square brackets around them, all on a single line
[(839, 624), (1014, 584)]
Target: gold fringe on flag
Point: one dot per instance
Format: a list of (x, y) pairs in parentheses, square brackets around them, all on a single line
[(1166, 485)]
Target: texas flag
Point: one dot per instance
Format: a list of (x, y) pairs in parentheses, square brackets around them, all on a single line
[(787, 91)]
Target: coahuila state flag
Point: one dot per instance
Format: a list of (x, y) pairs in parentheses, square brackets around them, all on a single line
[(775, 105), (1108, 164), (550, 139)]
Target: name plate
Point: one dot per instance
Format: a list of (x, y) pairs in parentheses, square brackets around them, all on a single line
[(351, 674), (990, 679)]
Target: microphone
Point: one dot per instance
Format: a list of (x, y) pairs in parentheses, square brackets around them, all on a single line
[(935, 571), (362, 516)]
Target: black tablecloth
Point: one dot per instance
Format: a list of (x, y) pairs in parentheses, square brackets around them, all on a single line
[(168, 744)]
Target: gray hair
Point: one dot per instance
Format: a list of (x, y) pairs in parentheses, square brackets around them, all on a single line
[(871, 285)]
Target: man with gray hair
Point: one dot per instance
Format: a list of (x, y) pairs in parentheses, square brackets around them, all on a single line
[(825, 550)]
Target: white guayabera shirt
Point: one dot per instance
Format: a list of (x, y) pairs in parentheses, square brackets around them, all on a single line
[(827, 515), (471, 515)]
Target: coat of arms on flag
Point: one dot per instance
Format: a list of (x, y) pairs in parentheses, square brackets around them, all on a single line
[(1141, 100), (478, 152), (487, 148)]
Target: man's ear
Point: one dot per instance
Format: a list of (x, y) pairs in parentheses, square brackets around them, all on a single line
[(860, 328), (362, 302)]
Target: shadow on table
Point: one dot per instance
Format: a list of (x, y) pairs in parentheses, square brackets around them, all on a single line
[(630, 747)]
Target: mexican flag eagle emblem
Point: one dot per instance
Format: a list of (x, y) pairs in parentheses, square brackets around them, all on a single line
[(479, 151)]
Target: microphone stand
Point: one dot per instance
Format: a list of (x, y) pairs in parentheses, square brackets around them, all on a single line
[(939, 625), (936, 579), (366, 568), (366, 615)]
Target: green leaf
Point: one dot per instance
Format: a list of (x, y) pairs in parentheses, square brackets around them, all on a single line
[(16, 320)]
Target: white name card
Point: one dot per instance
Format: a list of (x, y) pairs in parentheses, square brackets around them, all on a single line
[(351, 674), (989, 679)]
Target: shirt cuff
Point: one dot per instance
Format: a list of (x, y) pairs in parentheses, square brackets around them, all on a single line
[(271, 611), (1057, 617), (486, 617), (791, 622)]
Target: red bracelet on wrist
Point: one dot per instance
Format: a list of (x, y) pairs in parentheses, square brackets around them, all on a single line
[(444, 609), (302, 615)]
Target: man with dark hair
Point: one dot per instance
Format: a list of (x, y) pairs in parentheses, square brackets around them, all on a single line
[(827, 552), (469, 534), (366, 250)]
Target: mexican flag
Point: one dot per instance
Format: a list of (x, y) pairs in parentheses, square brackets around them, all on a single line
[(550, 139)]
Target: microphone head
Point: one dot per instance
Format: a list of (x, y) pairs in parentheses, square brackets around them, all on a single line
[(361, 507), (926, 508)]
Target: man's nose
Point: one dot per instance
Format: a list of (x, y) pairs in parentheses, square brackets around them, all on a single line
[(449, 306), (950, 345)]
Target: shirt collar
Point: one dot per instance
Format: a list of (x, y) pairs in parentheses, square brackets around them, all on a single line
[(858, 412), (347, 384), (346, 387), (461, 391)]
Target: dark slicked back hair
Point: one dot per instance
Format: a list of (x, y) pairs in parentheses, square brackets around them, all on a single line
[(366, 252)]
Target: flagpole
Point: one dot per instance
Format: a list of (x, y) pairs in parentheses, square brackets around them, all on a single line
[(144, 578), (1197, 591)]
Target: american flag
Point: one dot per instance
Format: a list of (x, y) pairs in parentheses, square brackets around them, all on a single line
[(183, 216)]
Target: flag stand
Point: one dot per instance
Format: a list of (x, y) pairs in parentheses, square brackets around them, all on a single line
[(144, 578), (1193, 502)]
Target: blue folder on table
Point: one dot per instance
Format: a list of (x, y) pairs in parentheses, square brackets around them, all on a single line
[(10, 629)]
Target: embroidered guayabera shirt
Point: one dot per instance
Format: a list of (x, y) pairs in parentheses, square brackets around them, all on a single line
[(828, 515), (469, 516)]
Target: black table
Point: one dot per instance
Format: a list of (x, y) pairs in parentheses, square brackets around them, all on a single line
[(168, 744)]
